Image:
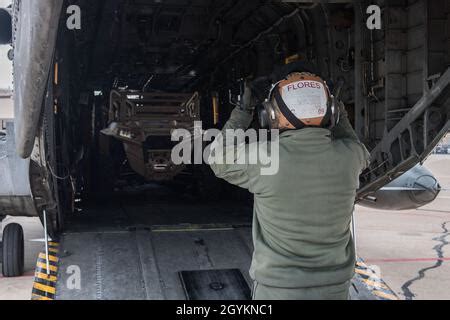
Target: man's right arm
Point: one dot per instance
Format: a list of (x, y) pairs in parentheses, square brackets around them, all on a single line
[(344, 130)]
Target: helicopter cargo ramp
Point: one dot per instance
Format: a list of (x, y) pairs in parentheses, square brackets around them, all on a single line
[(125, 253)]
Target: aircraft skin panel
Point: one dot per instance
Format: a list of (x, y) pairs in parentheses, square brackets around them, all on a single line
[(15, 193), (34, 43), (20, 206), (13, 169)]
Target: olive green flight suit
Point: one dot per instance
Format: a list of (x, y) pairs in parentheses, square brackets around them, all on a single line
[(303, 247)]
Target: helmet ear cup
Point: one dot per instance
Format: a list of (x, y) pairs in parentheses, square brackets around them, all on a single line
[(266, 115), (263, 117), (332, 107), (335, 112)]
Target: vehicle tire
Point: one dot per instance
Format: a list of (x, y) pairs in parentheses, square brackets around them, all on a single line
[(13, 251)]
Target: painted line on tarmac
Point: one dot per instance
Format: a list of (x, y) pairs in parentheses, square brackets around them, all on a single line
[(373, 282), (407, 260)]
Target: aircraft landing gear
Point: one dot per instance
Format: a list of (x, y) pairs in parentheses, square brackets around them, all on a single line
[(13, 251)]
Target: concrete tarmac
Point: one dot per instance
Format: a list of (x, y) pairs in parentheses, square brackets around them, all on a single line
[(411, 248)]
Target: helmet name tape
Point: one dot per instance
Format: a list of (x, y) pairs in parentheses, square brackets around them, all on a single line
[(305, 99)]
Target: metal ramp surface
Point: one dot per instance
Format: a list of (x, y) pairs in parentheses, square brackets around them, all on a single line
[(122, 254), (146, 264)]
